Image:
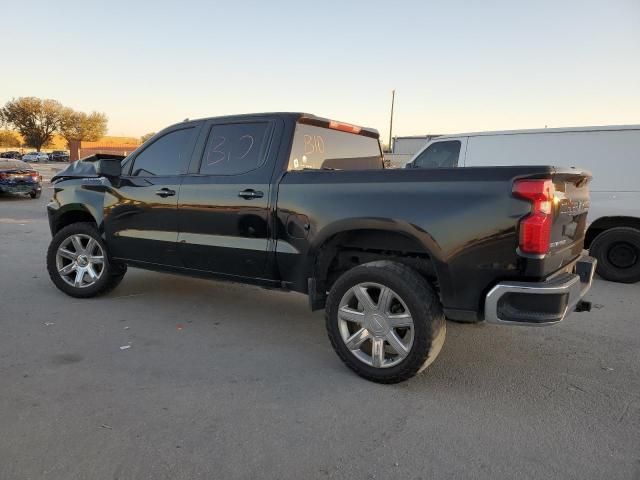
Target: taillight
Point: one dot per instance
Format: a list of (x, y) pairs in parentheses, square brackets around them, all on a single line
[(35, 177), (535, 228), (3, 176)]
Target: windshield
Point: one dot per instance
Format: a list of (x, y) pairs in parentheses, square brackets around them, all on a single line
[(323, 148)]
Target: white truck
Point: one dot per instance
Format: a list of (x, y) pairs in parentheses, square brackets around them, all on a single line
[(611, 153)]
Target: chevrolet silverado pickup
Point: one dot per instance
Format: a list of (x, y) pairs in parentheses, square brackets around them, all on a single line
[(297, 202)]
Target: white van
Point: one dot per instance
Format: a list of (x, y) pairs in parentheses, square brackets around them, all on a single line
[(611, 153)]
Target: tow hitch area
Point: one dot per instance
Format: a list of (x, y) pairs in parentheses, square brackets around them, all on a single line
[(583, 306), (541, 303)]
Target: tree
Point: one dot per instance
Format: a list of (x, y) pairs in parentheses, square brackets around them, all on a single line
[(81, 126), (146, 136), (76, 127), (34, 118), (9, 139)]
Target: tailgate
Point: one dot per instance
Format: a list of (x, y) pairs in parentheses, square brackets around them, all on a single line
[(569, 210)]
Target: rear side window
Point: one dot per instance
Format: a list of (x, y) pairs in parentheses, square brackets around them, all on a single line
[(165, 156), (323, 148), (235, 148), (439, 155)]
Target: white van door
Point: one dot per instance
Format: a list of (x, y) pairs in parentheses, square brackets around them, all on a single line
[(446, 153)]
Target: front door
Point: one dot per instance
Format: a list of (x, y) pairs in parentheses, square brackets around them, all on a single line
[(223, 209), (141, 221)]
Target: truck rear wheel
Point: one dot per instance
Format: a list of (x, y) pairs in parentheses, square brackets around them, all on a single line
[(385, 321), (79, 264), (618, 253)]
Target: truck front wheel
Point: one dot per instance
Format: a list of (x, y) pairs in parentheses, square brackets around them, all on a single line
[(385, 321), (79, 264)]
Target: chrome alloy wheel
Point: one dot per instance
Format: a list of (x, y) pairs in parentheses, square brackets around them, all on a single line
[(80, 261), (376, 325)]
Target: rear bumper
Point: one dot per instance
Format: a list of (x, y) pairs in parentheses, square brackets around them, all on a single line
[(540, 303)]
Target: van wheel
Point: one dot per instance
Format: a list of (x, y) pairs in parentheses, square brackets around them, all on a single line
[(79, 264), (618, 253), (385, 321)]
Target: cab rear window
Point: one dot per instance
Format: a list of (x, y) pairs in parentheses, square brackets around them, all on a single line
[(319, 148)]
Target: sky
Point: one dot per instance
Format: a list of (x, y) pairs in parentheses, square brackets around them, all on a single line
[(456, 66)]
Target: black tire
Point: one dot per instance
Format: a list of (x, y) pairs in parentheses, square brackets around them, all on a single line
[(618, 253), (424, 306), (35, 194), (112, 273)]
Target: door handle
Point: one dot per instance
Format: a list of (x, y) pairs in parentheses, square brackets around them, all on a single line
[(250, 193), (165, 192)]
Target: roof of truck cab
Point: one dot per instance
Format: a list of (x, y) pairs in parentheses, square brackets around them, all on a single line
[(251, 115), (291, 115), (542, 130)]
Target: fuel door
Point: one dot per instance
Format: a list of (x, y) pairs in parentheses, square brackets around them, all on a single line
[(298, 226)]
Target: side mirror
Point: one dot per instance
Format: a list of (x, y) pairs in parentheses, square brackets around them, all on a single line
[(109, 167), (409, 165)]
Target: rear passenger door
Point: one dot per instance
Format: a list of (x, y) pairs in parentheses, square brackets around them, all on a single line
[(442, 154), (224, 218)]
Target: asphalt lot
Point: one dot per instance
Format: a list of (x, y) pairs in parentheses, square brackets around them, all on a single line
[(229, 381)]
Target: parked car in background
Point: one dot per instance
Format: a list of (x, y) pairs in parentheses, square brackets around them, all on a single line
[(35, 157), (59, 156), (297, 202), (17, 176), (11, 154), (611, 153)]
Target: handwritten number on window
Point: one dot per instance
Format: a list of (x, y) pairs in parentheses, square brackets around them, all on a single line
[(247, 141), (216, 151), (313, 144), (221, 150)]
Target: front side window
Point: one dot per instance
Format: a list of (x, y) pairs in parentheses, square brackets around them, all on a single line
[(323, 148), (439, 155), (235, 148), (165, 156)]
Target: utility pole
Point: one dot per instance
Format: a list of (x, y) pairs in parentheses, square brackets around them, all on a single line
[(393, 97)]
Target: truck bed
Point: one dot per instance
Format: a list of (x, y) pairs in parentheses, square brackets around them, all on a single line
[(464, 221)]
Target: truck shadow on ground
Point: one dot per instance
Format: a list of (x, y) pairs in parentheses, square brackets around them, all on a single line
[(473, 356)]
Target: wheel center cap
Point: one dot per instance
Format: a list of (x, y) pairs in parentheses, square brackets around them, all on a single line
[(377, 325), (83, 261)]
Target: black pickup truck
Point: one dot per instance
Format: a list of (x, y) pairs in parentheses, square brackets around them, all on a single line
[(297, 202)]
